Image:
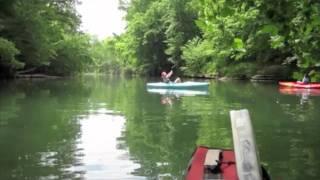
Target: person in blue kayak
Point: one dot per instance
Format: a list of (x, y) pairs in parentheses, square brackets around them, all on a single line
[(166, 77)]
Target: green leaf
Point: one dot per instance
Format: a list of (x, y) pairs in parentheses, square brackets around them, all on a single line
[(238, 43), (270, 29), (277, 41), (201, 24)]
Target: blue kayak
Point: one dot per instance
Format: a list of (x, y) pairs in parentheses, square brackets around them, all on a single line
[(183, 85)]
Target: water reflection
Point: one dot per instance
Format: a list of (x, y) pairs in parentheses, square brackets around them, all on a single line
[(169, 96), (299, 91), (100, 131), (113, 128), (303, 93), (178, 92), (38, 137), (167, 100)]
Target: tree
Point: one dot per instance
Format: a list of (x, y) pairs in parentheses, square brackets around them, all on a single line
[(36, 27), (8, 61)]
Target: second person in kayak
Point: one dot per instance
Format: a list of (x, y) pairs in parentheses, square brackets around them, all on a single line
[(166, 77), (306, 79)]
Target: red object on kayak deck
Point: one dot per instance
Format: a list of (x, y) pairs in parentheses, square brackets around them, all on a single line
[(197, 170)]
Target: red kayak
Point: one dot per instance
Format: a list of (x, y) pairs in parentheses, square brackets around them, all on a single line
[(314, 85), (212, 163)]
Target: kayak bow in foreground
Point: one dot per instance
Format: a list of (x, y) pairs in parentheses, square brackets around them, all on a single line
[(220, 164)]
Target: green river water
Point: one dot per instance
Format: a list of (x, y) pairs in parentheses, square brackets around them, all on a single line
[(112, 128)]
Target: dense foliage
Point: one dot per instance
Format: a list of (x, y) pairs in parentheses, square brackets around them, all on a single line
[(262, 32), (194, 37), (160, 29), (45, 32), (221, 37)]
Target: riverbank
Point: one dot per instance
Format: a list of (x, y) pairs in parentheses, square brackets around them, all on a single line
[(254, 78), (36, 76)]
